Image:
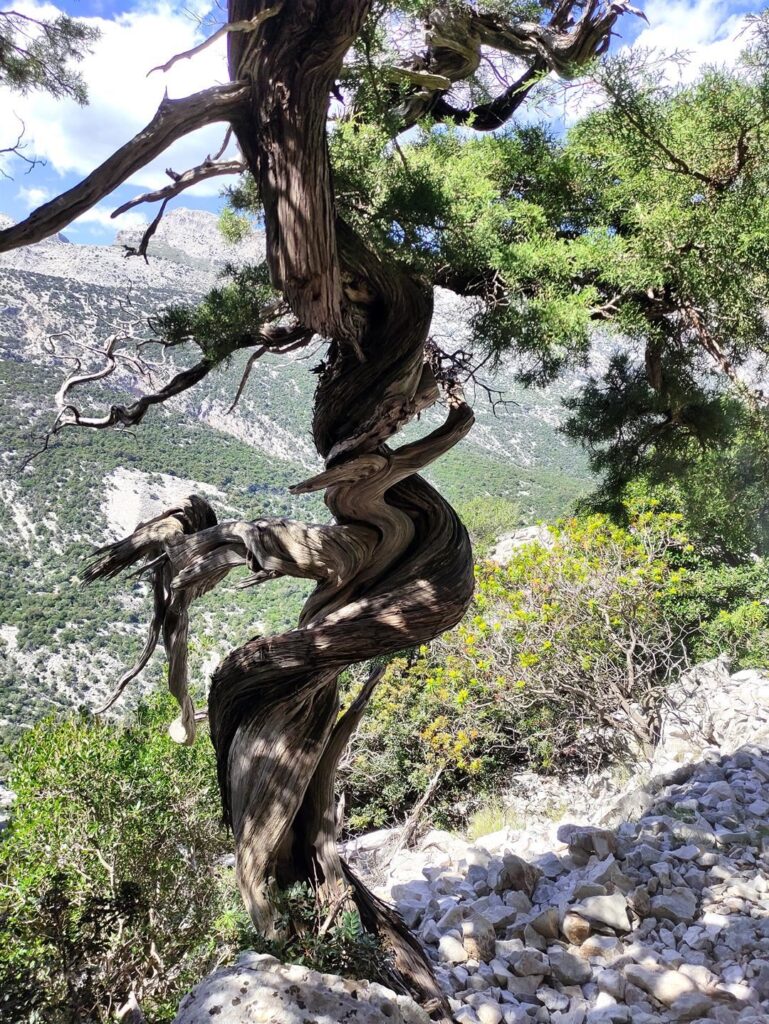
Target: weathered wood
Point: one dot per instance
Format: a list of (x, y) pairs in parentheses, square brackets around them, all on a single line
[(173, 120)]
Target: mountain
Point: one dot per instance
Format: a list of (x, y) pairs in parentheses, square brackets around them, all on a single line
[(59, 302)]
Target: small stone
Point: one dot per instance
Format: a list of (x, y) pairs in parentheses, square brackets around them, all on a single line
[(513, 873), (605, 912), (612, 983), (575, 928), (586, 842), (534, 939), (500, 917), (552, 999), (677, 904), (567, 968), (691, 1005), (451, 950), (546, 923), (608, 947), (666, 986), (585, 889), (451, 919), (488, 1013), (524, 986), (530, 961), (688, 852), (478, 937)]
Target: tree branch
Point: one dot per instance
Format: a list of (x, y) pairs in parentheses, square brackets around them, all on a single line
[(246, 25), (193, 176), (173, 120), (455, 41), (486, 117)]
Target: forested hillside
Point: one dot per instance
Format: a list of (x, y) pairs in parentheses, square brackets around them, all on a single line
[(62, 645)]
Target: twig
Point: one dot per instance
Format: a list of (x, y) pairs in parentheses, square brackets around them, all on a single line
[(334, 909)]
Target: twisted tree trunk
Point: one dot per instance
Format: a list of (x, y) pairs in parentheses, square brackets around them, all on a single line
[(394, 569)]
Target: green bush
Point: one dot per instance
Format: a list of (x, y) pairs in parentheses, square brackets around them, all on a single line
[(561, 661), (112, 878), (111, 872), (742, 634)]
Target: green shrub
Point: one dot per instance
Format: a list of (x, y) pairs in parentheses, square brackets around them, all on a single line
[(327, 939), (742, 634), (111, 872), (561, 661), (112, 880)]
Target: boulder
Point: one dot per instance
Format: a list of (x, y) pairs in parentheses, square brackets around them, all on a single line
[(259, 989)]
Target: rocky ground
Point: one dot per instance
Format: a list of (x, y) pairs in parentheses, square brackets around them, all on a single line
[(647, 903)]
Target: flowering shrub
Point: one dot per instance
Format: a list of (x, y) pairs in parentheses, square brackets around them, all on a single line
[(561, 660)]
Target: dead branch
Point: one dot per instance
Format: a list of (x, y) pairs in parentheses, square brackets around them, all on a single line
[(149, 231), (173, 120), (208, 169), (17, 149), (252, 359), (246, 25), (133, 414)]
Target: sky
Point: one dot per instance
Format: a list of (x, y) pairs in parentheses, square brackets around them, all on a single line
[(70, 140)]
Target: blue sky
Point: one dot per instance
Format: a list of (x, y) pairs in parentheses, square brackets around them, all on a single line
[(136, 36)]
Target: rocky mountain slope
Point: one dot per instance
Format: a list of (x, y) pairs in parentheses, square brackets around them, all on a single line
[(645, 903), (59, 303)]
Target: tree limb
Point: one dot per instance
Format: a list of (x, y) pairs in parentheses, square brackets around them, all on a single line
[(173, 120), (246, 25), (193, 176)]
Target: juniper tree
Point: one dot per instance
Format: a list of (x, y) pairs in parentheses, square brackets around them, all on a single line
[(353, 255)]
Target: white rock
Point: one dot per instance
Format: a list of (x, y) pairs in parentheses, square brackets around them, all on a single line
[(259, 989)]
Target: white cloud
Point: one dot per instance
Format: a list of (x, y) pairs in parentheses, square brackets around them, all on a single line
[(102, 216), (122, 98), (698, 32), (704, 30), (32, 197)]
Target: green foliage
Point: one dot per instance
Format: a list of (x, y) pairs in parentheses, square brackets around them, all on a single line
[(742, 634), (676, 179), (721, 493), (112, 880), (340, 945), (486, 518), (228, 318), (35, 54), (561, 660), (650, 218), (111, 871), (233, 226)]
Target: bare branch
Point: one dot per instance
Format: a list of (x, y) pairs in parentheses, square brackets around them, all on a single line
[(246, 25), (148, 233), (225, 142), (455, 41), (304, 337), (133, 414), (193, 176), (173, 120), (17, 150)]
